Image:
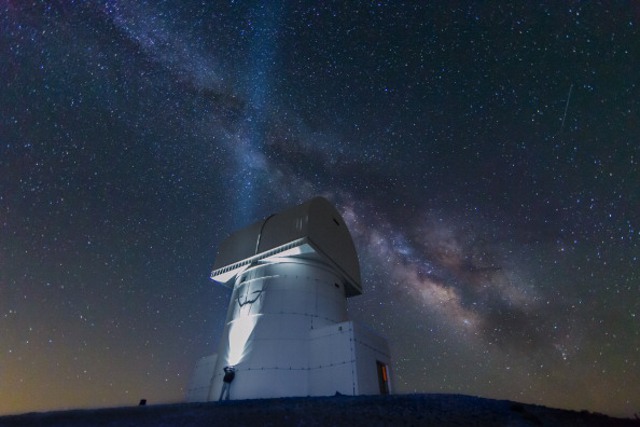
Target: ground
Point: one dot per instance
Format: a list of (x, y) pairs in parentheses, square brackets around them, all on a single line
[(397, 410)]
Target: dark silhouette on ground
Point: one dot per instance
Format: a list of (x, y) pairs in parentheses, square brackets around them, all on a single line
[(394, 410)]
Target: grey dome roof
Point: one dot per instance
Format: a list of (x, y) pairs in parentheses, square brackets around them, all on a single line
[(312, 230)]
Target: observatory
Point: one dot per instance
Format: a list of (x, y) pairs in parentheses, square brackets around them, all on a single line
[(287, 332)]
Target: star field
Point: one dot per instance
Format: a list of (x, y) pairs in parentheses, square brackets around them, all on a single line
[(485, 157)]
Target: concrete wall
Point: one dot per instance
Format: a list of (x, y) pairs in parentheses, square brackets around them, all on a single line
[(198, 388)]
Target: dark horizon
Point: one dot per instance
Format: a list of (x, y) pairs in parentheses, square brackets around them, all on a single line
[(355, 411)]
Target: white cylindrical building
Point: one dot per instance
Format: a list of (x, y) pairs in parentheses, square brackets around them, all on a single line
[(287, 332)]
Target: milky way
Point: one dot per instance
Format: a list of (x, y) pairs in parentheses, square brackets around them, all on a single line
[(484, 158)]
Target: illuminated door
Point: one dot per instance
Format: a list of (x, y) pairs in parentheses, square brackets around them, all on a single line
[(383, 377)]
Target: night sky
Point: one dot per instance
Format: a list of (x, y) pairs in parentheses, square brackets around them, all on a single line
[(485, 157)]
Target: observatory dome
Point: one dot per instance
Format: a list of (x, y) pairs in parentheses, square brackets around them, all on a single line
[(313, 230)]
